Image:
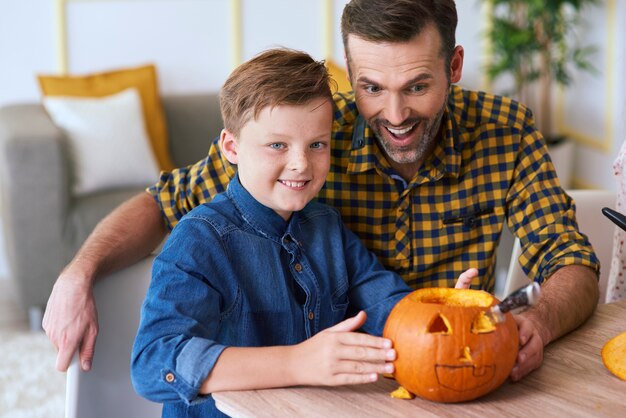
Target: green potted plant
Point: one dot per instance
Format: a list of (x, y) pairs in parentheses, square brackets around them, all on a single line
[(534, 42)]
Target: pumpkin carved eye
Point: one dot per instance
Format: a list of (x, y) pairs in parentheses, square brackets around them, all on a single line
[(440, 325), (483, 324)]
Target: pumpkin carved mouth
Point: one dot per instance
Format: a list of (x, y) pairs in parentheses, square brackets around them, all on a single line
[(463, 378)]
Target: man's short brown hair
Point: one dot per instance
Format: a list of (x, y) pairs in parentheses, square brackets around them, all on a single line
[(399, 21), (275, 77)]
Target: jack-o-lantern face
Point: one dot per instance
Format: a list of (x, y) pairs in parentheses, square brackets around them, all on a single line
[(448, 349)]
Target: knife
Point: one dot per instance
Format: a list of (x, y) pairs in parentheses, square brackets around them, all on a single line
[(616, 217), (521, 298)]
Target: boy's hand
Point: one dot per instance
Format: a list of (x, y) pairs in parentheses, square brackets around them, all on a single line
[(465, 279), (340, 356)]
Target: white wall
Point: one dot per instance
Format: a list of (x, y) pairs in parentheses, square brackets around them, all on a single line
[(191, 43), (594, 108), (26, 47), (189, 40)]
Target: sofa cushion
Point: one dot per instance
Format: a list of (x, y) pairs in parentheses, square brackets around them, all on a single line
[(86, 212), (144, 79), (108, 144), (340, 75)]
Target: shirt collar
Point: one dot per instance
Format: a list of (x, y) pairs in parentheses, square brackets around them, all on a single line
[(445, 159), (261, 218)]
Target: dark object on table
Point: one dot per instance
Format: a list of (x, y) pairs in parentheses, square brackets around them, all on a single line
[(616, 217)]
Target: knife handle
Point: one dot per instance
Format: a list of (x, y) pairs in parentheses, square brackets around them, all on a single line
[(521, 298), (616, 217)]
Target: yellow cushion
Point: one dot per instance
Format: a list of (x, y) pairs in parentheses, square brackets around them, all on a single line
[(144, 79), (340, 75)]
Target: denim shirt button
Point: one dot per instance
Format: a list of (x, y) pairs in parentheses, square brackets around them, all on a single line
[(298, 267), (170, 377), (311, 315)]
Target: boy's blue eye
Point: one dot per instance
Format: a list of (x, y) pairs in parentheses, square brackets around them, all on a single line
[(276, 145), (318, 145)]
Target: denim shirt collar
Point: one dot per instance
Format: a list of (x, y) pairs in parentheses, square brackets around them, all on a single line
[(261, 218)]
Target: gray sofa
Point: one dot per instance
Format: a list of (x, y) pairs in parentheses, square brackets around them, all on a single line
[(44, 224)]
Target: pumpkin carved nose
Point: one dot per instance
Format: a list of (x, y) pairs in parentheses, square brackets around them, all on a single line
[(466, 355)]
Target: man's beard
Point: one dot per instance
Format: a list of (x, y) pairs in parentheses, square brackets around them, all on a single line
[(413, 153)]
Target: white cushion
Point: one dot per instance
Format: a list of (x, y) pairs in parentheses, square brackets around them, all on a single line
[(108, 142)]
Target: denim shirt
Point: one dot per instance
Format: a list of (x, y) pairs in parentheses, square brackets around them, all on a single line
[(234, 273)]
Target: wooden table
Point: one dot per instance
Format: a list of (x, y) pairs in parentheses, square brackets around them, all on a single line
[(572, 382)]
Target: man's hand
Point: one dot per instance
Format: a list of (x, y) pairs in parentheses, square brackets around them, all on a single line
[(530, 355), (126, 235), (567, 299), (71, 321)]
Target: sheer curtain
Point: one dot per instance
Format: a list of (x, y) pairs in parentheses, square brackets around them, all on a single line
[(616, 287)]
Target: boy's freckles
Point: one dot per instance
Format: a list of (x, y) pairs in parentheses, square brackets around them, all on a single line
[(283, 156)]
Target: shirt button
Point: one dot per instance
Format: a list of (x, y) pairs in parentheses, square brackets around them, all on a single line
[(169, 377), (286, 240), (298, 267), (311, 315)]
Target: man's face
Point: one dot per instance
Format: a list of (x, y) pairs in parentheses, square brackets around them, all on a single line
[(283, 156), (401, 90)]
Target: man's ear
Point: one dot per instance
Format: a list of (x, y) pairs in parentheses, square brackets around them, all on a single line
[(456, 64), (228, 145)]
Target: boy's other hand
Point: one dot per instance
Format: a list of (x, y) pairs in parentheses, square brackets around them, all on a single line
[(340, 356), (465, 279)]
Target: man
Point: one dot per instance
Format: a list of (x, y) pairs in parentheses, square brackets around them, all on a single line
[(424, 172)]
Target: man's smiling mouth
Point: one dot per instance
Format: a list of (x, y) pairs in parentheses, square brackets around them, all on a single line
[(401, 132)]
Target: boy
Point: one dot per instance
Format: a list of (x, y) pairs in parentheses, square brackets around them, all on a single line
[(252, 290)]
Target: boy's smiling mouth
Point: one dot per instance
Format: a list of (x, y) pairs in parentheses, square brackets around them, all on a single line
[(294, 184)]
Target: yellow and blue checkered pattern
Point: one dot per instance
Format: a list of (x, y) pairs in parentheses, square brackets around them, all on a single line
[(491, 166)]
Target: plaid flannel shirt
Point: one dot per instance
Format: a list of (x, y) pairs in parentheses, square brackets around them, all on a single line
[(490, 167)]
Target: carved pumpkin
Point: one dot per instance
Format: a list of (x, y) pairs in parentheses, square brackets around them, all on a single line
[(447, 349)]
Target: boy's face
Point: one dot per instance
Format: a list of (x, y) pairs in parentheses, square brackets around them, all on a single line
[(283, 156), (401, 90)]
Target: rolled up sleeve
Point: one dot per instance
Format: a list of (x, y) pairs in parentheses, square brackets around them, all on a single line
[(176, 348)]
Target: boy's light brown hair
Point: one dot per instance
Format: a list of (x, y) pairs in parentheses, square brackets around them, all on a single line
[(275, 77)]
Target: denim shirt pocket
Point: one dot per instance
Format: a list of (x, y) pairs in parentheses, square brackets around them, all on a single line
[(340, 301), (234, 307)]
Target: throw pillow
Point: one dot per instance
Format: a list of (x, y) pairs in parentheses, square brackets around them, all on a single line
[(340, 75), (144, 79), (107, 139)]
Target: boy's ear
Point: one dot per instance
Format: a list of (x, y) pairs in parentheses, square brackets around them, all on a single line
[(228, 145)]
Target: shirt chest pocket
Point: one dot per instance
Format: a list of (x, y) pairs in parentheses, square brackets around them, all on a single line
[(473, 221)]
